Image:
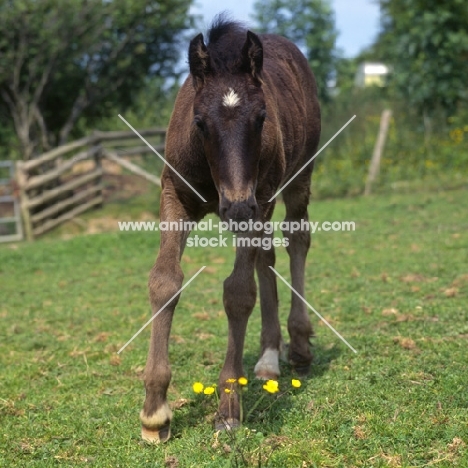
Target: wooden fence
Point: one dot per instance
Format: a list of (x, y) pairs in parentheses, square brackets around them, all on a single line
[(10, 218), (51, 193)]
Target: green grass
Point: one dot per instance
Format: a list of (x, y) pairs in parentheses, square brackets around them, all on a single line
[(396, 289)]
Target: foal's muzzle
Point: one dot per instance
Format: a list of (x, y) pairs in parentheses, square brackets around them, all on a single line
[(238, 211)]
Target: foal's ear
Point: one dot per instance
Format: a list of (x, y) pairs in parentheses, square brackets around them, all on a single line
[(252, 55), (199, 61)]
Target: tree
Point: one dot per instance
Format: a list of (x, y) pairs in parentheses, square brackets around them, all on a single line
[(346, 73), (310, 24), (81, 59), (427, 45)]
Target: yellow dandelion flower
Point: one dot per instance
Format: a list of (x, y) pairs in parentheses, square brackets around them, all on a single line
[(226, 390), (242, 381), (198, 387), (231, 380), (271, 386), (209, 390), (296, 383)]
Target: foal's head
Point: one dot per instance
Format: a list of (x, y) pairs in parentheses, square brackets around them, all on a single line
[(229, 112)]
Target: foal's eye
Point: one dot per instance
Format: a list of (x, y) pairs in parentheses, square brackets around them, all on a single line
[(260, 119), (199, 123)]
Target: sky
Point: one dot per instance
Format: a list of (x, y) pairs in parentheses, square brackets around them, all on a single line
[(357, 21)]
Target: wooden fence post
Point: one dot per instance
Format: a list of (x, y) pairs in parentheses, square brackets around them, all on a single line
[(25, 214), (98, 160), (378, 149)]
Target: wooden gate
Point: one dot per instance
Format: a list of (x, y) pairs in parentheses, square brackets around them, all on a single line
[(50, 192)]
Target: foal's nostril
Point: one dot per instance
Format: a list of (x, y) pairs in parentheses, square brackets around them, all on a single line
[(224, 206), (254, 207), (222, 212)]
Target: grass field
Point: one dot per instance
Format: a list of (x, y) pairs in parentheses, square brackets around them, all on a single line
[(396, 289)]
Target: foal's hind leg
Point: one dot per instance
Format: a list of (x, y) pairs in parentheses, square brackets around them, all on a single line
[(165, 280), (271, 342), (296, 198)]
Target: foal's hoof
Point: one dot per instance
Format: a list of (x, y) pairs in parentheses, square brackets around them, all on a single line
[(156, 428), (266, 375), (156, 436), (302, 371), (301, 362), (227, 424)]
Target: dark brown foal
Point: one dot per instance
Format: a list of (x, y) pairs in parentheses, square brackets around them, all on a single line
[(244, 122)]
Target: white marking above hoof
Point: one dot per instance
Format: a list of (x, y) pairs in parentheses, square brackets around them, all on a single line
[(268, 365), (161, 417)]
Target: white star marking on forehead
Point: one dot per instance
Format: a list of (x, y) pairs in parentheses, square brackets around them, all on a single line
[(231, 99)]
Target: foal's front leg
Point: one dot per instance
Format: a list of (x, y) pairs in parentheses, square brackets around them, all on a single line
[(240, 293), (271, 342), (165, 280)]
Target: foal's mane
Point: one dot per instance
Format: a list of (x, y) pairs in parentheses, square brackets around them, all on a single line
[(225, 41)]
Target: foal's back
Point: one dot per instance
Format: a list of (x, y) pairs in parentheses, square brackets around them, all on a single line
[(291, 94)]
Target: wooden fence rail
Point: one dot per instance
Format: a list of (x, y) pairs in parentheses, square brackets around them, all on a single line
[(50, 193)]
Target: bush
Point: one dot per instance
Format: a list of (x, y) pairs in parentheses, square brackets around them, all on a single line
[(434, 152)]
